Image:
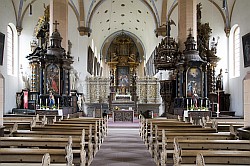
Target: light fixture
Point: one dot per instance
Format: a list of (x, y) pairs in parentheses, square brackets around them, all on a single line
[(224, 4), (30, 8)]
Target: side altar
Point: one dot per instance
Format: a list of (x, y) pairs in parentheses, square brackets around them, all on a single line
[(52, 79)]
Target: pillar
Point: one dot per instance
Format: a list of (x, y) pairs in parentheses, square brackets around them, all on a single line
[(59, 13), (187, 19)]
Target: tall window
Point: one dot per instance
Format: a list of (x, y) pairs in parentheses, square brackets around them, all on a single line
[(236, 52), (10, 51)]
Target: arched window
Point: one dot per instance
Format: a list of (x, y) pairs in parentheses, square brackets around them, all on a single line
[(236, 52), (10, 51)]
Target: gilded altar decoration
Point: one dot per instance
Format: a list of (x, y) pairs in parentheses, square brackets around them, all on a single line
[(97, 90), (147, 90)]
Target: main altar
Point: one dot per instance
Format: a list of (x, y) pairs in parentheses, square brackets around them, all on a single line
[(124, 90)]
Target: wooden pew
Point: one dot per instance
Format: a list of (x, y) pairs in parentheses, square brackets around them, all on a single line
[(45, 162), (214, 151), (78, 143), (76, 128), (150, 123), (34, 155), (217, 156), (155, 132), (89, 137), (157, 140), (145, 125)]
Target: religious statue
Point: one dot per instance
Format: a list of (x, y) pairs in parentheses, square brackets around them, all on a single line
[(80, 100), (73, 79), (219, 81), (19, 100), (26, 81), (169, 23), (51, 99), (46, 159)]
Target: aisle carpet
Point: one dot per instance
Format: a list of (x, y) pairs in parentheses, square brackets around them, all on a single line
[(123, 147)]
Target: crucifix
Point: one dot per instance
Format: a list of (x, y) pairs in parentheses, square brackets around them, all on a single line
[(55, 23), (190, 30)]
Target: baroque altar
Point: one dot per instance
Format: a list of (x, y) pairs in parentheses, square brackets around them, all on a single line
[(50, 85)]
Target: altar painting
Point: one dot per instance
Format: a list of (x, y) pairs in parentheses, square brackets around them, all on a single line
[(52, 79), (123, 76), (194, 82)]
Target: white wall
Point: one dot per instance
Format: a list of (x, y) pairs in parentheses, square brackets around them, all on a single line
[(80, 44), (79, 51), (11, 82), (240, 16)]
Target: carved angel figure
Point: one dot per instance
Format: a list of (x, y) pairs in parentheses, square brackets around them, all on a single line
[(46, 159)]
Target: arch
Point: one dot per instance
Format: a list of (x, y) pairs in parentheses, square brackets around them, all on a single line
[(231, 51), (110, 38), (175, 4), (91, 12), (19, 22), (12, 50)]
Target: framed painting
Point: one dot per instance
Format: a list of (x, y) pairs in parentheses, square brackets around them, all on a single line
[(246, 49), (194, 82), (90, 60), (123, 76), (52, 78)]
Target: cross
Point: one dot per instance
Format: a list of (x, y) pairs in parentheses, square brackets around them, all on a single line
[(190, 30), (56, 23)]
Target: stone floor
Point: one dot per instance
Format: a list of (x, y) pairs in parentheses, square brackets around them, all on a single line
[(123, 147)]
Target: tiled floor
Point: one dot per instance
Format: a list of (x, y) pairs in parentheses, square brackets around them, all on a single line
[(123, 147)]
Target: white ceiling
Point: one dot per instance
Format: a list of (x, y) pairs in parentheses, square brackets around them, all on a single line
[(129, 15)]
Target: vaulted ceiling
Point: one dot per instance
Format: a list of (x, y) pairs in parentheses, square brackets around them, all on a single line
[(114, 16), (137, 17)]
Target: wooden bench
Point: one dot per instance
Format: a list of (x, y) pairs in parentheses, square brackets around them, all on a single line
[(47, 143), (229, 150), (155, 132), (216, 156), (35, 154), (149, 126), (62, 134)]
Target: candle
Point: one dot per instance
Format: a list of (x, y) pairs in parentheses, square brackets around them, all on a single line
[(58, 101), (191, 102), (207, 103), (40, 102), (201, 102), (46, 102)]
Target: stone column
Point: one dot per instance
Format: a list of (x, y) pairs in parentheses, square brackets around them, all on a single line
[(59, 13), (187, 20)]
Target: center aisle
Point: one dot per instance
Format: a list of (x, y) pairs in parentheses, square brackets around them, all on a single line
[(123, 147)]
